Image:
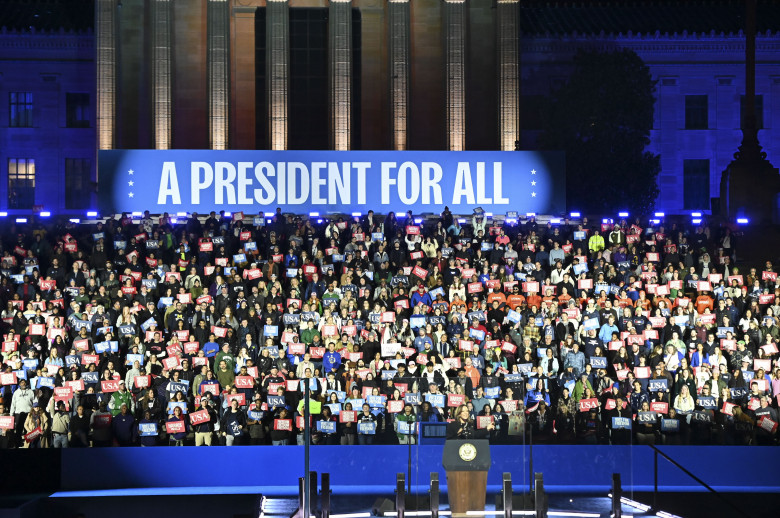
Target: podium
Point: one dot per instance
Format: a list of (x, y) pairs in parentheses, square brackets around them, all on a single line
[(467, 463)]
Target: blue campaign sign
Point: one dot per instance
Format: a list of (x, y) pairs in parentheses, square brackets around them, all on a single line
[(367, 428), (90, 377), (492, 392), (670, 425), (256, 415), (148, 429), (621, 423), (413, 398), (326, 426), (300, 181), (707, 402), (274, 401), (436, 400), (598, 362), (405, 428)]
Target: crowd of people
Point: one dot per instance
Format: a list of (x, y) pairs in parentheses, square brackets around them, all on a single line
[(211, 330)]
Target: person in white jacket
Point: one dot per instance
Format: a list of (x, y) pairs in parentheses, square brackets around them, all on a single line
[(21, 405)]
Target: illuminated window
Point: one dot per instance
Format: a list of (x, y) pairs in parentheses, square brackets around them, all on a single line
[(20, 109), (21, 183)]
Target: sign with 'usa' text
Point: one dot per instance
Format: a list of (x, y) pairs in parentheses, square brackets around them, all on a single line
[(331, 181)]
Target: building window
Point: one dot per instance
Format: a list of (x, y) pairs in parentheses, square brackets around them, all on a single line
[(696, 186), (696, 112), (20, 110), (77, 110), (21, 183), (78, 183), (759, 111)]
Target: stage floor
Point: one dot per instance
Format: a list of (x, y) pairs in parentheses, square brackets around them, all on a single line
[(217, 501)]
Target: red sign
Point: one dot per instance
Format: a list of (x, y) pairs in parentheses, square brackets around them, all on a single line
[(587, 404), (455, 400), (244, 382), (395, 406), (142, 381), (201, 416), (282, 424), (109, 386), (347, 416), (660, 407), (6, 422), (174, 427), (466, 345), (483, 421)]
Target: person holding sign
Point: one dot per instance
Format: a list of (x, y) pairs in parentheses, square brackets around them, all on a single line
[(36, 429), (366, 426), (177, 422), (233, 424), (464, 427)]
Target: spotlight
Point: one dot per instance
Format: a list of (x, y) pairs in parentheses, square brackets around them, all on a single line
[(555, 221), (696, 221), (655, 221), (136, 214), (356, 214), (488, 214), (418, 220), (530, 214), (461, 220), (318, 221), (695, 214), (21, 220), (606, 220), (45, 214), (659, 214), (228, 214), (184, 214), (75, 220), (742, 221), (314, 214), (92, 214), (574, 214), (623, 214)]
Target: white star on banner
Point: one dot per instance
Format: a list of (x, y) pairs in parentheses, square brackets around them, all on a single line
[(130, 171), (533, 171), (533, 195), (533, 182), (131, 194), (130, 183)]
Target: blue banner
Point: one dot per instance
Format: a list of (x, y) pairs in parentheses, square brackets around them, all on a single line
[(147, 429), (302, 181)]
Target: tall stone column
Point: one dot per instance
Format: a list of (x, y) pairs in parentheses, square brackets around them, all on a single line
[(508, 35), (278, 71), (106, 58), (218, 72), (340, 73), (455, 72), (400, 66), (162, 77)]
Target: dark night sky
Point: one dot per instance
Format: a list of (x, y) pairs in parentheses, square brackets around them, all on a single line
[(537, 16)]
